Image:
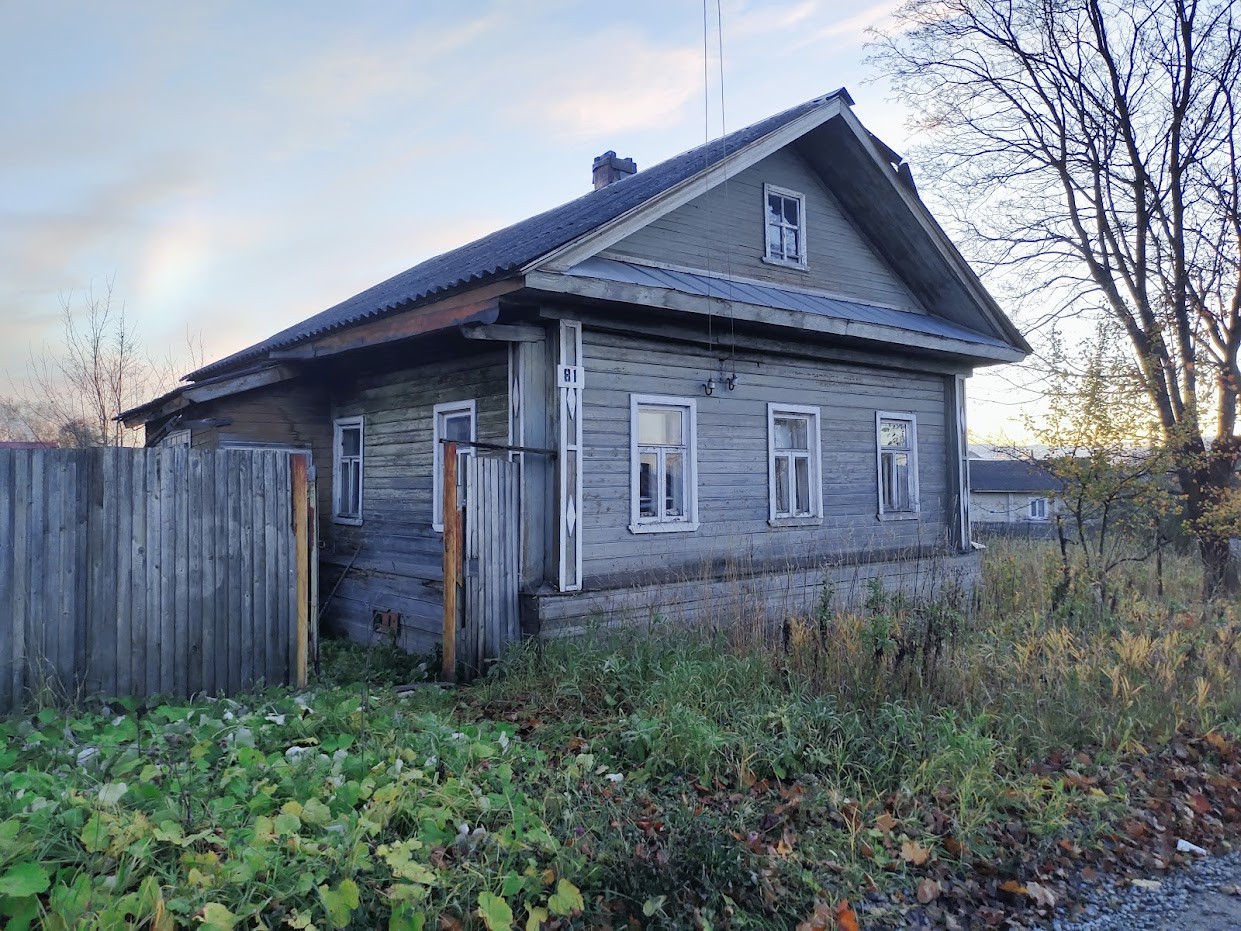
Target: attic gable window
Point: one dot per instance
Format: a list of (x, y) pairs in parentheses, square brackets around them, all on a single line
[(785, 219), (347, 470)]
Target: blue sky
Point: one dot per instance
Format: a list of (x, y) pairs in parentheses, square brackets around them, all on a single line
[(236, 167)]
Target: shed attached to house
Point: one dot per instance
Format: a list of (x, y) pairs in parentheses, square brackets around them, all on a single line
[(727, 380)]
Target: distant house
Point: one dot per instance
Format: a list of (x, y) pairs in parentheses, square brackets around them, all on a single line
[(743, 367), (1006, 494)]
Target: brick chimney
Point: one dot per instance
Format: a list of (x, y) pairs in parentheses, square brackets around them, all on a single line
[(608, 168)]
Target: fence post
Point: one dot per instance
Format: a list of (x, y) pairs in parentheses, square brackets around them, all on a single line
[(301, 555), (452, 561)]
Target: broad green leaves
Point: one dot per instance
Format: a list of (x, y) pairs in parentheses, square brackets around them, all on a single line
[(24, 879), (495, 912), (566, 900)]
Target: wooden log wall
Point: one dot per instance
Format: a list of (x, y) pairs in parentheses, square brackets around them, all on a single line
[(150, 572)]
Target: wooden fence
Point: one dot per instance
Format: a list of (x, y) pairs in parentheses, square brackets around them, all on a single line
[(153, 571)]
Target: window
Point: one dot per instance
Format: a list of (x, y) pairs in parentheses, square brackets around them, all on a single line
[(347, 470), (785, 221), (453, 421), (897, 436), (664, 479), (1038, 509), (176, 438), (794, 477)]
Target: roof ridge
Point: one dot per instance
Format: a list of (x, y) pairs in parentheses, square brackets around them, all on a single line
[(518, 244)]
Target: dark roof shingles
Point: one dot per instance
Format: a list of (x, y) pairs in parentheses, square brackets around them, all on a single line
[(1011, 475), (511, 248)]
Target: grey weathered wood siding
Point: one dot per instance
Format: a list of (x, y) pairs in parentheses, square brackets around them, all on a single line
[(296, 414), (732, 455), (738, 591), (723, 231), (398, 563), (144, 572)]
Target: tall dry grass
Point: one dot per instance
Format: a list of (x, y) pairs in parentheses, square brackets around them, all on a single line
[(1048, 668)]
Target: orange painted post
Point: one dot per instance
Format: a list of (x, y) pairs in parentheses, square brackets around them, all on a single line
[(301, 532), (452, 562)]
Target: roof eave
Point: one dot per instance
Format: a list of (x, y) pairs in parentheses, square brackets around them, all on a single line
[(961, 268), (978, 354)]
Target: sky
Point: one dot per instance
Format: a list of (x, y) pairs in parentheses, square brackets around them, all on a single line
[(233, 168)]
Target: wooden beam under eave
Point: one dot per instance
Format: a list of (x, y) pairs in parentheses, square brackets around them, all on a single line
[(481, 305)]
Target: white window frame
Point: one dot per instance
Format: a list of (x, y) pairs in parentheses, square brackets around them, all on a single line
[(689, 522), (768, 256), (1033, 513), (815, 455), (339, 425), (449, 408), (915, 503)]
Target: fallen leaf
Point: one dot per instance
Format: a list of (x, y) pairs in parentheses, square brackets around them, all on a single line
[(1145, 883), (846, 917), (885, 822), (1013, 887), (915, 853), (1042, 896), (819, 919), (928, 891)]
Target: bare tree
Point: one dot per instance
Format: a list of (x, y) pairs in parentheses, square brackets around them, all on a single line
[(1091, 146), (97, 371)]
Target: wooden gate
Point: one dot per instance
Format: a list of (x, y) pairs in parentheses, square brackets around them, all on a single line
[(482, 561), (492, 561)]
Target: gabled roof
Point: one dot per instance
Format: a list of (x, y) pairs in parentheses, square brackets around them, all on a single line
[(999, 475), (509, 250)]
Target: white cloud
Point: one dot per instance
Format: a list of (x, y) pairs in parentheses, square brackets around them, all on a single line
[(615, 81)]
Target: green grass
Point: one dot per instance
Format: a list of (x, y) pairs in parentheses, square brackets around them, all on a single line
[(673, 780)]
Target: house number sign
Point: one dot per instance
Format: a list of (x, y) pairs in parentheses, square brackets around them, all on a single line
[(570, 376)]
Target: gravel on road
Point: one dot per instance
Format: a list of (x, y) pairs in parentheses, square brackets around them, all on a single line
[(1201, 897)]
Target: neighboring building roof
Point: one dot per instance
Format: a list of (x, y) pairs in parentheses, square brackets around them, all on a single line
[(1011, 475), (518, 245)]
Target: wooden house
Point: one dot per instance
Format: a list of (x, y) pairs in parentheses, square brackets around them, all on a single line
[(726, 380), (1010, 496)]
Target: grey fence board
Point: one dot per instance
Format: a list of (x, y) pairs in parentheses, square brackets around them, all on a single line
[(493, 561), (143, 572)]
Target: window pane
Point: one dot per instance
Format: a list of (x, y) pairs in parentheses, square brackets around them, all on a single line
[(802, 485), (895, 470), (894, 433), (782, 485), (456, 427), (355, 487), (350, 441), (674, 485), (792, 433), (659, 426), (792, 244), (647, 465), (791, 211), (774, 211)]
